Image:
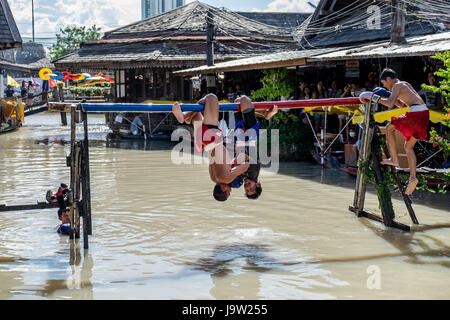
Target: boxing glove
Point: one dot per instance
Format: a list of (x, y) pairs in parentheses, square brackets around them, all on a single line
[(368, 96), (382, 92)]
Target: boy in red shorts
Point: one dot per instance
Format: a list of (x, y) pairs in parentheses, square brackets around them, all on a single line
[(208, 137), (413, 125)]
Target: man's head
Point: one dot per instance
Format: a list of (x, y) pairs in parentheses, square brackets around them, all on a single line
[(388, 78), (221, 192), (252, 189)]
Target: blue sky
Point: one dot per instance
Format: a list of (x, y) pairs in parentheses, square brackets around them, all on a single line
[(52, 15)]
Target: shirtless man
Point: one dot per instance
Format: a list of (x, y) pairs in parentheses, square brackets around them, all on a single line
[(209, 137), (246, 131), (413, 125)]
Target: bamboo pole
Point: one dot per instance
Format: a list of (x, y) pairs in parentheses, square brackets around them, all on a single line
[(361, 179)]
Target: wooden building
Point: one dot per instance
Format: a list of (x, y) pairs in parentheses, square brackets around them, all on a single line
[(142, 56), (342, 34)]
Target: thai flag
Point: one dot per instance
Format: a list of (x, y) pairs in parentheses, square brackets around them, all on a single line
[(35, 82)]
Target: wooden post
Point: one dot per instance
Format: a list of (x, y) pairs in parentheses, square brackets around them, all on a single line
[(86, 179), (210, 78), (72, 173), (398, 22), (63, 118), (384, 194), (364, 150)]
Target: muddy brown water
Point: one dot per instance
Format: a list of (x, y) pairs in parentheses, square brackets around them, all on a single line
[(159, 234)]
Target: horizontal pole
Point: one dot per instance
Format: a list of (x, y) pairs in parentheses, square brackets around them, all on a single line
[(23, 207), (150, 107)]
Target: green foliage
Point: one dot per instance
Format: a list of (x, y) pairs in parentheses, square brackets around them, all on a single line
[(442, 142), (71, 37), (86, 91), (296, 138), (276, 83)]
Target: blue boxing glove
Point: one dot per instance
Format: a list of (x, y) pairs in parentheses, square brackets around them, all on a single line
[(382, 92), (237, 183)]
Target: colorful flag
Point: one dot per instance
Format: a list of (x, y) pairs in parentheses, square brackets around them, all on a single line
[(11, 82), (35, 82), (52, 83)]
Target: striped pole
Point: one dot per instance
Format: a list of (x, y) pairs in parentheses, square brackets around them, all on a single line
[(153, 107)]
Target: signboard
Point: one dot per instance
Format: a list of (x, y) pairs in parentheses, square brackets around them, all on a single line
[(352, 69)]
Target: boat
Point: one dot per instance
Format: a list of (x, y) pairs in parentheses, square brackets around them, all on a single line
[(11, 114)]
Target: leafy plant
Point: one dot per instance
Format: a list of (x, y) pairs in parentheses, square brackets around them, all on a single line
[(442, 141), (71, 37), (276, 83)]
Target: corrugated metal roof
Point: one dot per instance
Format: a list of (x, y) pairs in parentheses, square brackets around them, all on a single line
[(279, 59), (415, 46)]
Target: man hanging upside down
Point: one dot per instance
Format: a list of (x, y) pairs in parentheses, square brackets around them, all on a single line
[(223, 170), (208, 137), (246, 133), (413, 125)]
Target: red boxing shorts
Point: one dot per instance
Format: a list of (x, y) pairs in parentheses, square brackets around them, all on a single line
[(413, 123), (211, 137)]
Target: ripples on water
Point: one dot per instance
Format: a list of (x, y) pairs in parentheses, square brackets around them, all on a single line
[(158, 234)]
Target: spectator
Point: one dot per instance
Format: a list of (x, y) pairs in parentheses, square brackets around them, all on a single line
[(334, 91), (321, 91), (431, 99), (356, 89), (231, 95), (30, 90), (301, 92), (23, 91), (239, 91), (347, 93), (319, 118), (9, 91), (219, 92)]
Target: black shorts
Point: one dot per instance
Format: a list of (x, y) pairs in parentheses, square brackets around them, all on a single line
[(248, 116)]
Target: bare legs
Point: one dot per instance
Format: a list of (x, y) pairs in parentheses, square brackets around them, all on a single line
[(390, 137), (412, 162), (411, 156)]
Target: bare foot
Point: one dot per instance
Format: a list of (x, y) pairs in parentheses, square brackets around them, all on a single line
[(411, 186), (176, 110), (271, 112), (390, 162)]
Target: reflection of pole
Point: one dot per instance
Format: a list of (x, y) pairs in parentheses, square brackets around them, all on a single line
[(322, 149)]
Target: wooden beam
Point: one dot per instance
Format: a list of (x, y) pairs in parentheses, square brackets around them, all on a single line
[(22, 207)]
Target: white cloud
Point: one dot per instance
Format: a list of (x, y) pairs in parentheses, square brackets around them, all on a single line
[(291, 6), (53, 15)]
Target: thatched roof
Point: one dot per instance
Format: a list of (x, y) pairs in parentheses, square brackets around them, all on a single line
[(9, 33)]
